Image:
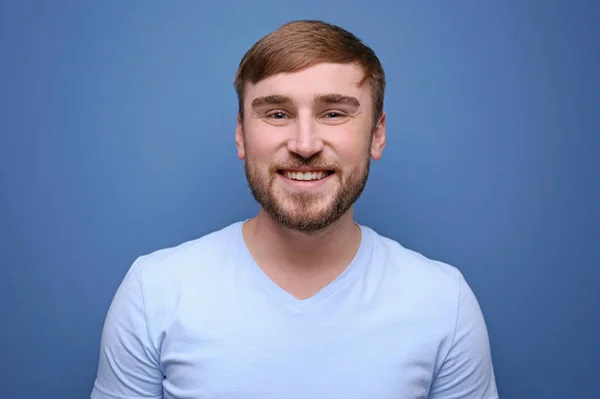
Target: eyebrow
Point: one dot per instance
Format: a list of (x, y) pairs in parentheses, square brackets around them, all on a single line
[(323, 99), (271, 100), (332, 99)]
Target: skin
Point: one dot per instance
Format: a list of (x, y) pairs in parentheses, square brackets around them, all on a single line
[(317, 119)]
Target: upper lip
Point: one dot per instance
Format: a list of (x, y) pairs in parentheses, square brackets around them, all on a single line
[(305, 169)]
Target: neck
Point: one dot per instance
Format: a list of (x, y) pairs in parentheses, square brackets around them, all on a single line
[(333, 246)]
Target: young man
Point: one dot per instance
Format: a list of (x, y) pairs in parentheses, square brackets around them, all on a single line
[(300, 301)]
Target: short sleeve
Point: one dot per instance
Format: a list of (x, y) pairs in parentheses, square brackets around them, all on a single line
[(129, 364), (467, 370)]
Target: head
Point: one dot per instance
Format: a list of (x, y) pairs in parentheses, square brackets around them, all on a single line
[(310, 120)]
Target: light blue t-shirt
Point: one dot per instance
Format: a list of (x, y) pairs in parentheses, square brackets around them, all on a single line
[(202, 321)]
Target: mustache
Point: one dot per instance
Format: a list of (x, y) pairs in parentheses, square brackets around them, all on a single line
[(313, 163)]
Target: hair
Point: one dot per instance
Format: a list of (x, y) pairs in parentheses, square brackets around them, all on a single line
[(301, 44)]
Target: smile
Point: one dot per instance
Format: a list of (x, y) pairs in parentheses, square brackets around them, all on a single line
[(305, 176)]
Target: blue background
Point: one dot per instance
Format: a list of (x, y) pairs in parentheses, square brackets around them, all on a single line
[(117, 138)]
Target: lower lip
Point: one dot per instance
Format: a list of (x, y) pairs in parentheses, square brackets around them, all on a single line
[(305, 184)]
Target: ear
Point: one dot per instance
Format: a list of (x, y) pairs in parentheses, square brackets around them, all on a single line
[(378, 142), (239, 138)]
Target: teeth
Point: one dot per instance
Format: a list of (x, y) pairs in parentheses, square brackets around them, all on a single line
[(305, 176)]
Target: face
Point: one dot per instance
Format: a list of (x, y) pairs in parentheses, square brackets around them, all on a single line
[(307, 139)]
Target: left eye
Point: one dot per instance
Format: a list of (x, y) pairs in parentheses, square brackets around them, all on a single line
[(332, 114)]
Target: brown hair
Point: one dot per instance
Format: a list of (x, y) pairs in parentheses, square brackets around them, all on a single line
[(300, 44)]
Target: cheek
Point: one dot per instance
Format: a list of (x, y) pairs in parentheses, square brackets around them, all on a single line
[(351, 152), (261, 140)]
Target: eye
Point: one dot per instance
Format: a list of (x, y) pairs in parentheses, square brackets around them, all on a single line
[(276, 115), (333, 114)]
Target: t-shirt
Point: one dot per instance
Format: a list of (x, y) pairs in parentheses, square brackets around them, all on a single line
[(202, 320)]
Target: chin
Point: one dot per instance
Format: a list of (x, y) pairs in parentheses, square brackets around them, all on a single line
[(308, 220), (318, 209)]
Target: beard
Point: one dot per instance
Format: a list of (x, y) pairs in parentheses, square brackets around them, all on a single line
[(304, 211)]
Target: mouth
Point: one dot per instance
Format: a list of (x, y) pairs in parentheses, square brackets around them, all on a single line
[(311, 175)]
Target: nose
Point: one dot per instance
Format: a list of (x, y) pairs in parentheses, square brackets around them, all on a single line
[(306, 141)]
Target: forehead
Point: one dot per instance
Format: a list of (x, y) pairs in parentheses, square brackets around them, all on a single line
[(319, 79)]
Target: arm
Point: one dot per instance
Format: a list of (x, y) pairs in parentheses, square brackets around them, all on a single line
[(129, 363), (467, 370)]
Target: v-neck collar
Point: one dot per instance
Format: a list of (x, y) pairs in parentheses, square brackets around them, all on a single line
[(259, 278)]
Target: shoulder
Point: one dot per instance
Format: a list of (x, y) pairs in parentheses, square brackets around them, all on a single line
[(434, 292), (188, 258), (158, 281), (444, 305), (163, 276), (415, 271)]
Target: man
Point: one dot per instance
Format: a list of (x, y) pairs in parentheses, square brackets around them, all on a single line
[(300, 301)]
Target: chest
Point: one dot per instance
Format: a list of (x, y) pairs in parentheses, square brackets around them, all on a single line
[(247, 352)]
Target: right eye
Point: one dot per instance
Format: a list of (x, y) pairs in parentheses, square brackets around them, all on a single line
[(276, 115)]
